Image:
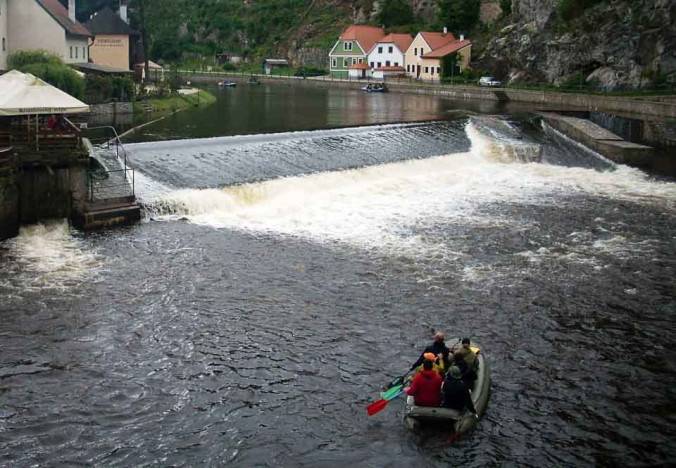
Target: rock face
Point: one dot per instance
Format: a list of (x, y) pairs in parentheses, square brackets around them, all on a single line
[(613, 45)]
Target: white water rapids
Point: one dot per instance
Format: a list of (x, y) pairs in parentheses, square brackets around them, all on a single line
[(377, 206)]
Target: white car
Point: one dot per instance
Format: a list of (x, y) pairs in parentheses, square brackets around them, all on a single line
[(489, 81)]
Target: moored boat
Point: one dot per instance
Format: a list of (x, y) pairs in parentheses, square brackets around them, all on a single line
[(227, 84), (460, 422)]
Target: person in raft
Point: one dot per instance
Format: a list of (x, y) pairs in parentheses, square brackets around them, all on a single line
[(455, 393), (436, 348), (426, 386)]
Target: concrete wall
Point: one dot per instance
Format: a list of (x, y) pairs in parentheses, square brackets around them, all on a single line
[(47, 194), (110, 50), (112, 108), (4, 44), (31, 28), (9, 207), (77, 49)]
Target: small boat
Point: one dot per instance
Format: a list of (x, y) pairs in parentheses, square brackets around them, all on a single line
[(227, 84), (375, 88), (254, 81), (460, 422)]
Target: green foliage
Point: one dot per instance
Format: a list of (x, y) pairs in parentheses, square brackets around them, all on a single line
[(229, 67), (460, 16), (571, 9), (506, 7), (50, 68), (100, 89), (395, 13), (310, 71)]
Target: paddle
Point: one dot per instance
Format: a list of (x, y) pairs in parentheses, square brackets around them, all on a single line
[(380, 405), (398, 380), (391, 393)]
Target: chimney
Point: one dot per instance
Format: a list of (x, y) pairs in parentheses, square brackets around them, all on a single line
[(445, 30), (123, 11), (71, 10), (462, 37)]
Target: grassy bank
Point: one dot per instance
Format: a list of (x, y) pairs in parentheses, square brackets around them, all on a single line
[(175, 102)]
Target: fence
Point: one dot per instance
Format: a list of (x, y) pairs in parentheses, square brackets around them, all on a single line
[(115, 179)]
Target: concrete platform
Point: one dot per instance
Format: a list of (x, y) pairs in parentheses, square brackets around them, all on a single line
[(599, 139), (110, 213)]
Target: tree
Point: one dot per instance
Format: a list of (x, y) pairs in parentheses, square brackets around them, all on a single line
[(460, 16), (395, 13), (50, 68)]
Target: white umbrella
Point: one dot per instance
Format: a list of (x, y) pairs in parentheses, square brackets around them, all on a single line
[(25, 94)]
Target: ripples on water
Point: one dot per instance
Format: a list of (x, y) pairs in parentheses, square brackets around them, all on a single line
[(260, 342)]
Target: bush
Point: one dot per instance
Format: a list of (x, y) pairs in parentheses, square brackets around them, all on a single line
[(229, 67), (100, 89), (506, 7), (50, 68), (310, 71), (571, 9)]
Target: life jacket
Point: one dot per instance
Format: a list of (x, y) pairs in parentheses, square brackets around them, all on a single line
[(426, 388)]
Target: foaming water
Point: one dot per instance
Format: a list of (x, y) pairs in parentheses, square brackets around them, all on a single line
[(383, 207), (48, 256)]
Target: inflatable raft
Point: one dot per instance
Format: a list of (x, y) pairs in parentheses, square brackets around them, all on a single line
[(460, 422)]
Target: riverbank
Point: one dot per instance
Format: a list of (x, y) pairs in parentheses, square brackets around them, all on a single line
[(175, 103), (662, 106)]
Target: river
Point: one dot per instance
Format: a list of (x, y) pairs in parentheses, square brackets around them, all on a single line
[(280, 279)]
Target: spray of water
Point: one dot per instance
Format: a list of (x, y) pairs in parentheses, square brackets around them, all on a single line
[(47, 256)]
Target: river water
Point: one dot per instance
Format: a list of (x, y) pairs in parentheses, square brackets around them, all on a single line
[(280, 280)]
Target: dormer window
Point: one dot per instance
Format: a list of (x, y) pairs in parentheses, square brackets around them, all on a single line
[(347, 46)]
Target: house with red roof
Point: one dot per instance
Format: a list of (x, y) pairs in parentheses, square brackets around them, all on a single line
[(387, 56), (349, 55), (42, 25), (433, 55)]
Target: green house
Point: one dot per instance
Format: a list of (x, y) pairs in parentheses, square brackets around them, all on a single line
[(352, 48)]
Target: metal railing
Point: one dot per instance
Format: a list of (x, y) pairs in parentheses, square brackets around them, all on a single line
[(110, 184)]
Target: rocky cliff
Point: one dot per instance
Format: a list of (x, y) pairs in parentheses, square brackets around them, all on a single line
[(618, 44)]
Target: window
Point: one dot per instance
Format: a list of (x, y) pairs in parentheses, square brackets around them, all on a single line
[(334, 63), (347, 46), (415, 51), (421, 52), (71, 51), (438, 70), (84, 55), (408, 68), (396, 64), (346, 63), (373, 64), (390, 49), (354, 61), (361, 60), (4, 46), (387, 64), (427, 70), (76, 52), (380, 50), (431, 70), (380, 64)]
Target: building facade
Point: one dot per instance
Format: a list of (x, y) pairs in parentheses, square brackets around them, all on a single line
[(111, 43), (423, 43), (3, 35), (42, 25), (390, 51), (352, 48)]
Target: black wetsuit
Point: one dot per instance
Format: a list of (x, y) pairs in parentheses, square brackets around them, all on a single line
[(435, 348), (455, 395)]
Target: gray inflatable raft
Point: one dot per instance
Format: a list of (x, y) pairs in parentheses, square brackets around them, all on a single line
[(459, 422)]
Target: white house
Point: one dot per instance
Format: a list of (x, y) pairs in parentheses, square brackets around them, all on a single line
[(42, 25), (388, 55)]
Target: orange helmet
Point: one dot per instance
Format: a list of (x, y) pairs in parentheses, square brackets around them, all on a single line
[(430, 356)]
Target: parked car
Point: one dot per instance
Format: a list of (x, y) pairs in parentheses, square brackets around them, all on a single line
[(489, 81)]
